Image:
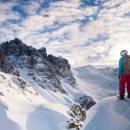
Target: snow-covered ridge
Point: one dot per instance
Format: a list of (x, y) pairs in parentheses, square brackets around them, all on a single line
[(109, 114), (27, 109)]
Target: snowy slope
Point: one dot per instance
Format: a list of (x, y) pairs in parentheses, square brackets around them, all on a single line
[(28, 110), (32, 107), (98, 82), (35, 108), (109, 114)]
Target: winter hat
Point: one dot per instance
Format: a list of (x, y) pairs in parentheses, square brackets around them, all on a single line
[(123, 52)]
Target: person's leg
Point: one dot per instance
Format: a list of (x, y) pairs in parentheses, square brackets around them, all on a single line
[(128, 85), (122, 86)]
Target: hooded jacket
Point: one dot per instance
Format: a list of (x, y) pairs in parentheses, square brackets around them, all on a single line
[(121, 65)]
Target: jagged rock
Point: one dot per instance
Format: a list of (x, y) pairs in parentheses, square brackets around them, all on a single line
[(61, 62), (47, 76), (77, 116), (62, 68), (77, 112), (5, 66), (2, 56), (45, 69), (86, 101), (43, 52), (17, 48)]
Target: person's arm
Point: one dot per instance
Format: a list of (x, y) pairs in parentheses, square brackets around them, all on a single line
[(121, 67)]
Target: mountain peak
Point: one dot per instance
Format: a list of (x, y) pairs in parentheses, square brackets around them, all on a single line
[(15, 55), (16, 41)]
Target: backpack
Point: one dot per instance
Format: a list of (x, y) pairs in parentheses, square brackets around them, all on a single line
[(127, 65)]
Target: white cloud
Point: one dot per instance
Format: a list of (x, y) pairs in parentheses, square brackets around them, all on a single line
[(31, 7), (8, 16), (109, 21), (6, 6), (36, 22)]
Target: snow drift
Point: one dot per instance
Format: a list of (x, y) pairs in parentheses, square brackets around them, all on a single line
[(109, 114), (27, 110)]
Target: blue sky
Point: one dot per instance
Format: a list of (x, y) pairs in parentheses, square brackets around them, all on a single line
[(83, 31)]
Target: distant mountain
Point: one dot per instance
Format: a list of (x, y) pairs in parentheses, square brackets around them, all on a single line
[(98, 82)]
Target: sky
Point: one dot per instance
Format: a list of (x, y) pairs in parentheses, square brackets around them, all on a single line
[(83, 31)]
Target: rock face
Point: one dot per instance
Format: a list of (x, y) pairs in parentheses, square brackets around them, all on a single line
[(4, 64), (33, 67), (86, 102), (77, 116), (43, 68), (62, 68)]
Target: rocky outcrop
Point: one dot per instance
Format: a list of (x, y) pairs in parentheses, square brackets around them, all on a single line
[(5, 66), (62, 68), (77, 116), (45, 69), (86, 102), (33, 67)]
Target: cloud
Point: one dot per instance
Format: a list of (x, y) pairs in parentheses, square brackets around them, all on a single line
[(31, 7), (82, 31), (36, 22), (6, 12)]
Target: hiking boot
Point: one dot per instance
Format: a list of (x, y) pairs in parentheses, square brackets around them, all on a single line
[(128, 95), (121, 97)]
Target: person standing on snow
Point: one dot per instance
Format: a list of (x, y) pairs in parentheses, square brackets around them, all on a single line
[(124, 73)]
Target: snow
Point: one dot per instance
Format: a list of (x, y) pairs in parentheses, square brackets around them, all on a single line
[(26, 110), (5, 122), (45, 119), (109, 114), (98, 83), (36, 108)]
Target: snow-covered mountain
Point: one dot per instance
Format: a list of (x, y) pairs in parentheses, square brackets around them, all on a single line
[(36, 89), (17, 57), (40, 91)]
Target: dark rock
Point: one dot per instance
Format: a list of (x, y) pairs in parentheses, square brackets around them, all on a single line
[(17, 48), (45, 69), (61, 62), (43, 52), (77, 116), (5, 66), (62, 68), (86, 101)]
